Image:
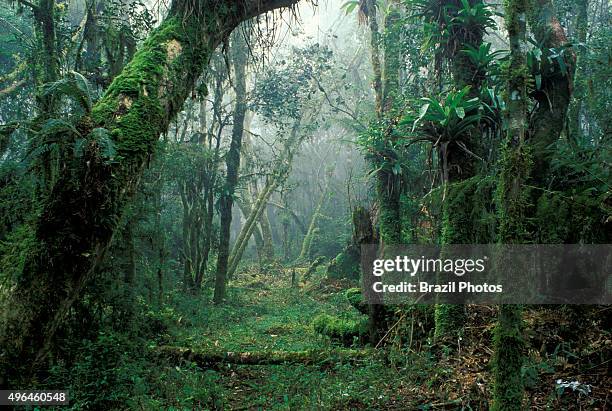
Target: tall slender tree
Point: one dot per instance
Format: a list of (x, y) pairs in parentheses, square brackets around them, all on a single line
[(239, 51), (512, 203)]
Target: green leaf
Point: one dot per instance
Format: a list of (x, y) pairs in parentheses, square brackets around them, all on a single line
[(73, 85), (107, 144), (422, 113), (538, 81), (56, 127), (460, 112), (562, 65), (349, 6)]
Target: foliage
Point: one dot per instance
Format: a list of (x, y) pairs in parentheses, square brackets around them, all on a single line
[(74, 86), (284, 91), (345, 264), (449, 92), (453, 116), (445, 23)]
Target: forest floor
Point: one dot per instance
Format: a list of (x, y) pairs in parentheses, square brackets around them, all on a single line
[(264, 314)]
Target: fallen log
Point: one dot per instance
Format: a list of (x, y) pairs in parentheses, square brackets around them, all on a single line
[(308, 357)]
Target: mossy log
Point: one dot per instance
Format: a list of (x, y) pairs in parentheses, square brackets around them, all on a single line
[(341, 330), (309, 357)]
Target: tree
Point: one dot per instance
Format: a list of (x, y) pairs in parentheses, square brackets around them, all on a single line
[(232, 161), (512, 201)]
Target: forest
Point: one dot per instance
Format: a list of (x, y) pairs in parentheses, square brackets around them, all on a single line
[(193, 194)]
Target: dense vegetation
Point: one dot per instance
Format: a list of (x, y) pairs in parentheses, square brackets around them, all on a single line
[(185, 189)]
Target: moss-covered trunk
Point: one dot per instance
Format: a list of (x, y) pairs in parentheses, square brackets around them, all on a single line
[(553, 97), (310, 357), (459, 166), (524, 163), (47, 65), (388, 182), (512, 204), (79, 217), (575, 110)]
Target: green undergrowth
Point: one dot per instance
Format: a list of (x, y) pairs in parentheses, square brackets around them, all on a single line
[(261, 314), (121, 367)]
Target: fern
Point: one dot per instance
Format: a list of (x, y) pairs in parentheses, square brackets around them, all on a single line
[(74, 86), (54, 128), (104, 140)]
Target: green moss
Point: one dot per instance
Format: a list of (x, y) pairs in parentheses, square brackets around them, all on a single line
[(355, 298), (409, 213), (509, 347), (513, 11), (131, 109), (449, 319), (345, 265), (14, 250), (467, 216), (512, 197), (389, 218), (344, 331), (571, 218)]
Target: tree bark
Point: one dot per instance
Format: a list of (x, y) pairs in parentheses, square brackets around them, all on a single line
[(575, 109), (239, 57), (388, 184), (370, 12), (308, 238), (246, 208), (458, 166), (548, 120), (511, 205), (78, 218)]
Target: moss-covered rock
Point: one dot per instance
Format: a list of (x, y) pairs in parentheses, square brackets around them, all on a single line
[(341, 330), (345, 264)]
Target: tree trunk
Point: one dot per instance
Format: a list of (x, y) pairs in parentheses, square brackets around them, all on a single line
[(44, 14), (525, 162), (246, 209), (159, 242), (548, 119), (458, 167), (78, 218), (511, 204), (239, 56), (575, 110), (388, 187), (308, 238), (370, 12)]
